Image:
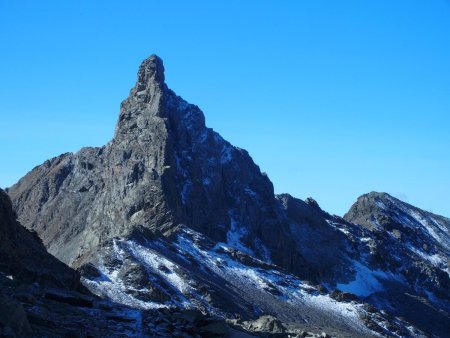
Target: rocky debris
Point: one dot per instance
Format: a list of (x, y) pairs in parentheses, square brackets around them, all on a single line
[(55, 318), (343, 296), (267, 324)]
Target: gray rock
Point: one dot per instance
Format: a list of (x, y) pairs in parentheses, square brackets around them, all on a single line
[(268, 324)]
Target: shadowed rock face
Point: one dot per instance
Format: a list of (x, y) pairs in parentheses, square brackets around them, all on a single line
[(30, 281), (24, 257)]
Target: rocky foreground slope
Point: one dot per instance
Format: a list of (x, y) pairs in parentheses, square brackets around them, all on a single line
[(170, 215), (42, 297)]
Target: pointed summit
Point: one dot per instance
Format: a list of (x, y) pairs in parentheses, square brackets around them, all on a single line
[(146, 99), (163, 168), (151, 72)]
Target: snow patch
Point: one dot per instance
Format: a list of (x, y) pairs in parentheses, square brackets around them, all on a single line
[(250, 192), (152, 260), (234, 235), (366, 281), (419, 218), (290, 288), (110, 286), (226, 155), (434, 259), (380, 204)]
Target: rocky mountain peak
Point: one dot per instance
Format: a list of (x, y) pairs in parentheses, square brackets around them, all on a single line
[(151, 71), (381, 212), (163, 168), (373, 196), (150, 80), (169, 213), (146, 103), (313, 203), (365, 206)]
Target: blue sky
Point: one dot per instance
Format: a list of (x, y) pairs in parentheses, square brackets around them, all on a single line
[(332, 99)]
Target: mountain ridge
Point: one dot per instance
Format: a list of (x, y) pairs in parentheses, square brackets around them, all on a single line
[(168, 213)]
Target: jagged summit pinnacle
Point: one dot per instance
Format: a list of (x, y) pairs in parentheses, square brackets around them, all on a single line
[(151, 70), (147, 100)]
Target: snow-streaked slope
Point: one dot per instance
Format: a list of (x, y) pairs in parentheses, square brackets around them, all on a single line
[(217, 278)]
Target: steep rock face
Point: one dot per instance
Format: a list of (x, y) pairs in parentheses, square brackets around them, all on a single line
[(325, 248)]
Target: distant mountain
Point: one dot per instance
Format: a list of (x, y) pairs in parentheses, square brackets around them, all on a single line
[(170, 215), (413, 242), (413, 227)]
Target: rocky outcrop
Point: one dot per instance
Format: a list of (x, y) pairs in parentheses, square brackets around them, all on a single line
[(39, 295)]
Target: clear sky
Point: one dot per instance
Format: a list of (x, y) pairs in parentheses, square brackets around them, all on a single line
[(332, 99)]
